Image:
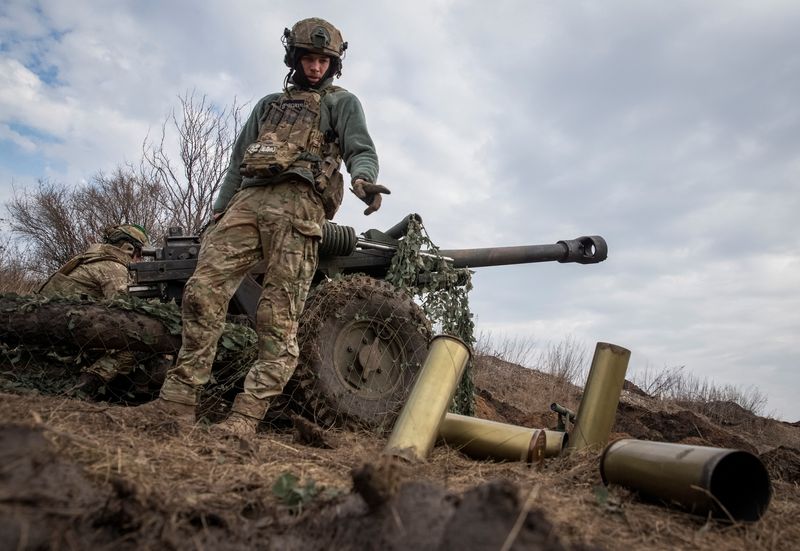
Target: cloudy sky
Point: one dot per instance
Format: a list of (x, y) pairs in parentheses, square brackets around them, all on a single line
[(670, 128)]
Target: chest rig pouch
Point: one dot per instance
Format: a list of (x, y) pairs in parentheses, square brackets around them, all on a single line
[(289, 137)]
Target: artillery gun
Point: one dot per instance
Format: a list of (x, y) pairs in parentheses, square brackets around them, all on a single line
[(361, 340)]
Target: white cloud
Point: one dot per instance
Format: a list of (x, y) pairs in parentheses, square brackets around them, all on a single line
[(23, 142), (24, 100)]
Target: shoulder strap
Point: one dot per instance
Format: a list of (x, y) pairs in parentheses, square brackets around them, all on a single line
[(94, 254)]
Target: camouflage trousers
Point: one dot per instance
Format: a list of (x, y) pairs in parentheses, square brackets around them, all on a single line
[(280, 224), (118, 362)]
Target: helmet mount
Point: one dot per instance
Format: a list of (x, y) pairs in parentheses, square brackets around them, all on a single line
[(320, 38)]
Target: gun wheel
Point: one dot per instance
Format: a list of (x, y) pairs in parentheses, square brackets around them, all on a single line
[(362, 343)]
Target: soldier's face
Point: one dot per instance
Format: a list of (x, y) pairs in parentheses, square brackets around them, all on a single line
[(315, 66)]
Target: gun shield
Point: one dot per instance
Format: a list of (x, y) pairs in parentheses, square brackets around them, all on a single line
[(415, 431), (484, 439), (729, 484), (598, 406)]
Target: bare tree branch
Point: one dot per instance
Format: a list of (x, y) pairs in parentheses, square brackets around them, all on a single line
[(47, 218), (205, 134), (170, 187)]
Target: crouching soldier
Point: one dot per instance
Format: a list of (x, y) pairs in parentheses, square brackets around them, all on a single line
[(101, 272)]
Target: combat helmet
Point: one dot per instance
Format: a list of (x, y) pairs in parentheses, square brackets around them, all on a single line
[(128, 237), (317, 36)]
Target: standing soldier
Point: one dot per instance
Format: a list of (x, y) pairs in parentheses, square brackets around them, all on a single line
[(101, 273), (283, 180)]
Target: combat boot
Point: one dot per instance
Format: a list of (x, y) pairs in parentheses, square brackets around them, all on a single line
[(246, 414), (166, 410), (239, 425)]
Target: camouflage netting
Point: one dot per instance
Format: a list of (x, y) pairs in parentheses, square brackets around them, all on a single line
[(46, 343), (444, 297), (361, 345)]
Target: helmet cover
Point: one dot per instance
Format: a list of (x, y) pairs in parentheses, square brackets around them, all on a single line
[(132, 233), (313, 35)]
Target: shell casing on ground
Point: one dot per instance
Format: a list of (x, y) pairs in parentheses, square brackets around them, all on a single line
[(417, 426), (484, 439), (700, 479), (556, 441), (598, 407)]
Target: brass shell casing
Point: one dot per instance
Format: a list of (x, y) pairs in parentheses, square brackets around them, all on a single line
[(598, 407), (556, 441), (484, 439), (701, 479), (415, 431)]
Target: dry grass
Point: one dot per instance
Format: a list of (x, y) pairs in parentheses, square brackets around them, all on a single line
[(696, 393), (202, 473), (516, 350), (568, 361), (14, 275)]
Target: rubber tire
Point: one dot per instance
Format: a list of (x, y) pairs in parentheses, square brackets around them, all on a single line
[(338, 309)]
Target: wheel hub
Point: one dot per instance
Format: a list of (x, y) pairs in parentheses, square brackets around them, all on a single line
[(367, 358)]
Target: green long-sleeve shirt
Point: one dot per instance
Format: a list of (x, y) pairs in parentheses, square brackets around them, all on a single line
[(340, 111)]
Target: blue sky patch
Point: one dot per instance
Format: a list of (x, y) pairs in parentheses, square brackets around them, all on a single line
[(34, 134), (20, 162)]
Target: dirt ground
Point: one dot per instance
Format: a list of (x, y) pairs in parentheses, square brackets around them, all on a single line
[(76, 474)]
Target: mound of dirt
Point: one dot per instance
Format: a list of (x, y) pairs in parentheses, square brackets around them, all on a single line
[(48, 502), (44, 498), (726, 413), (512, 394), (421, 515), (783, 464), (681, 426)]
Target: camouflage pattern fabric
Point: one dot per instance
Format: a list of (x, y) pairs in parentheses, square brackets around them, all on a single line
[(282, 225), (314, 35), (132, 233), (289, 128), (99, 273), (119, 362)]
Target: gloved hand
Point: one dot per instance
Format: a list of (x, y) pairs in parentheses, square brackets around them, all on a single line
[(369, 193)]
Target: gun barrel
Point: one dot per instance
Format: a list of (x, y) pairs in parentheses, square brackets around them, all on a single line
[(583, 250), (558, 408), (399, 230)]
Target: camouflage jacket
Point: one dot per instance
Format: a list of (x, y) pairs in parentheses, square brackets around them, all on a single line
[(341, 112), (100, 272)]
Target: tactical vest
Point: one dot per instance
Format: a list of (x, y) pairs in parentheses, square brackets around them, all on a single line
[(61, 284), (290, 140)]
